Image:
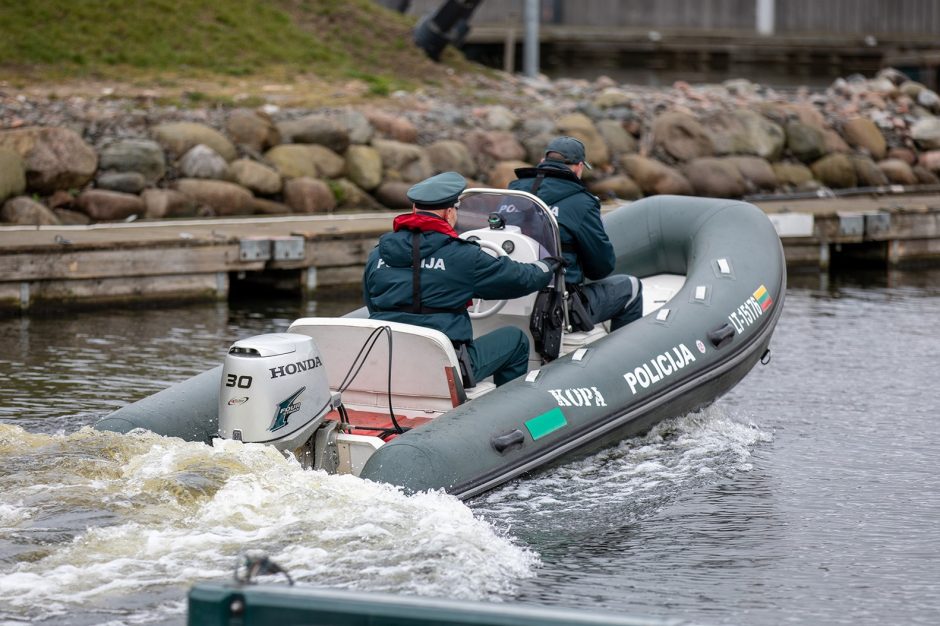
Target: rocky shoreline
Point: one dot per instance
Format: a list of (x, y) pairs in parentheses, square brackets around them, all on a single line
[(79, 160)]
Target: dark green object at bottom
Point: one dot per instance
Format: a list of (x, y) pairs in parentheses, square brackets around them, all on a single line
[(257, 605)]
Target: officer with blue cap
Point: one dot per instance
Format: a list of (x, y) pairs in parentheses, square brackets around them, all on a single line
[(584, 243), (422, 273)]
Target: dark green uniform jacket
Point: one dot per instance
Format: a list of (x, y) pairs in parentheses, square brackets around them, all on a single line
[(584, 241), (452, 272)]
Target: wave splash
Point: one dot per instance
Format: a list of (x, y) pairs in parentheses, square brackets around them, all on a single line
[(629, 481), (91, 519)]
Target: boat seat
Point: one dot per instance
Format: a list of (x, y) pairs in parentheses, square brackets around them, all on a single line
[(425, 370), (482, 387), (572, 341)]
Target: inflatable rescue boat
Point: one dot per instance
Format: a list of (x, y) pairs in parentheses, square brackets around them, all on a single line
[(388, 401)]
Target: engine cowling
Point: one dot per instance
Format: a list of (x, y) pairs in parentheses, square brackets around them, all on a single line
[(274, 390)]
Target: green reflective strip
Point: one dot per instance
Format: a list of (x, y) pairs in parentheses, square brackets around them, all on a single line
[(546, 423)]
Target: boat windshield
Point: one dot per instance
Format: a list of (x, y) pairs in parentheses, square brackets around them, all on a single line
[(517, 208)]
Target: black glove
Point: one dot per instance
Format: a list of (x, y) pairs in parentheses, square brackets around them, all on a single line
[(555, 263)]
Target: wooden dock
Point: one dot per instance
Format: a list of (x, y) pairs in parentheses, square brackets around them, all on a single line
[(54, 266)]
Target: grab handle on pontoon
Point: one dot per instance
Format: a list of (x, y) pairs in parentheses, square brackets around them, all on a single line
[(721, 336), (504, 442)]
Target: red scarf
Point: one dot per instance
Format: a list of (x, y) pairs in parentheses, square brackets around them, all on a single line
[(424, 222)]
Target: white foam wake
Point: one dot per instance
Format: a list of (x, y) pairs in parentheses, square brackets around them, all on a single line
[(163, 514)]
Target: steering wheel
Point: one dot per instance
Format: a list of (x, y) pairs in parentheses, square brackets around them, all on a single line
[(476, 312)]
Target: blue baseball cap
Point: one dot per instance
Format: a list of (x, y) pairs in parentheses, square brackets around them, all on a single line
[(571, 150)]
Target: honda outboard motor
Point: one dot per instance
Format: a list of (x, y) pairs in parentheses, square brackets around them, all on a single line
[(274, 390)]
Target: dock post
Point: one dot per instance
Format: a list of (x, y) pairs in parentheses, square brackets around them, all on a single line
[(309, 278), (221, 285), (894, 253), (765, 11), (531, 38), (24, 295), (509, 51)]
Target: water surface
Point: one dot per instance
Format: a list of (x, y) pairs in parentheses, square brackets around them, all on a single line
[(808, 494)]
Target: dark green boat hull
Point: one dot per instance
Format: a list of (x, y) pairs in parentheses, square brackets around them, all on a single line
[(719, 325)]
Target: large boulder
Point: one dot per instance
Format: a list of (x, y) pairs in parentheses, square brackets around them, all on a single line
[(498, 117), (357, 126), (160, 203), (930, 161), (926, 133), (392, 126), (907, 155), (67, 217), (253, 129), (312, 161), (201, 161), (317, 129), (805, 142), (494, 145), (862, 133), (394, 194), (217, 196), (911, 88), (757, 173), (264, 206), (618, 140), (102, 205), (836, 171), (448, 155), (580, 126), (256, 176), (925, 176), (53, 158), (833, 142), (504, 173), (867, 173), (681, 137), (535, 145), (403, 161), (364, 166), (24, 211), (309, 195), (791, 174), (12, 174), (729, 136), (762, 137), (654, 177), (783, 112), (717, 178), (898, 171), (178, 137), (134, 155), (613, 98), (125, 182), (617, 187), (745, 132), (352, 197)]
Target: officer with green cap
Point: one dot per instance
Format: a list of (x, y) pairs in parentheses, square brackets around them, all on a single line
[(584, 242), (422, 273)]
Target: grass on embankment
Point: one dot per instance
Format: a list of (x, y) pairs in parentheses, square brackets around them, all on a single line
[(140, 40)]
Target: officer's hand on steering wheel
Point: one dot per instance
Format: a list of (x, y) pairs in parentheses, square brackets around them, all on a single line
[(555, 263)]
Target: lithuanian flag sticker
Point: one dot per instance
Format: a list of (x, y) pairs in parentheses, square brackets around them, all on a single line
[(763, 298)]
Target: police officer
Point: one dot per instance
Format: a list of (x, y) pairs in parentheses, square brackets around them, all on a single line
[(422, 273), (587, 250)]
